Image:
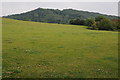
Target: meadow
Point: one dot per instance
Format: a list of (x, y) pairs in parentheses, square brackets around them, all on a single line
[(45, 50)]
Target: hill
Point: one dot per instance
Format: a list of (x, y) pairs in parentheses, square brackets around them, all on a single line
[(45, 50), (55, 15)]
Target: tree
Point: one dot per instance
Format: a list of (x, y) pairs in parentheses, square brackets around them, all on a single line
[(100, 23), (77, 22), (71, 21), (105, 24), (94, 26), (89, 22), (99, 18), (116, 23), (82, 22)]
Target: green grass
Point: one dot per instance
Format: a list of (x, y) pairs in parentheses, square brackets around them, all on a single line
[(0, 48), (44, 50)]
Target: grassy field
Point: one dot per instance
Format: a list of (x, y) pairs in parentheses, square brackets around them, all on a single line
[(0, 48), (44, 50)]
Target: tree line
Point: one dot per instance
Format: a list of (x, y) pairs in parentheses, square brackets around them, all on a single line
[(98, 23)]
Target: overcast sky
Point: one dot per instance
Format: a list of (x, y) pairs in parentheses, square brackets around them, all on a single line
[(59, 0), (110, 8)]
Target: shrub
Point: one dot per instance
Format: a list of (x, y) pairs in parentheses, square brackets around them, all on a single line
[(89, 22), (105, 24)]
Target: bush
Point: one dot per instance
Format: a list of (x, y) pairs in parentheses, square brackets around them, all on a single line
[(77, 22), (105, 24), (94, 26), (89, 22)]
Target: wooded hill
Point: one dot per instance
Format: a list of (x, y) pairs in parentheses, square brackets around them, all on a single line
[(56, 16)]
